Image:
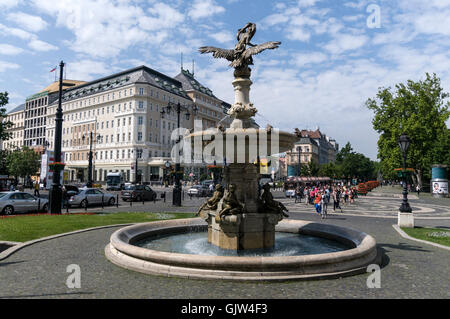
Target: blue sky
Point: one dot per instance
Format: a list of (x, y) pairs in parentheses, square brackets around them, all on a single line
[(333, 56)]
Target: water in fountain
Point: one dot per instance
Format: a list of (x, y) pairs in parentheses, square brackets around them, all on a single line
[(286, 244)]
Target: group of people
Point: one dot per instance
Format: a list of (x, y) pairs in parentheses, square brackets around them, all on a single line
[(321, 196)]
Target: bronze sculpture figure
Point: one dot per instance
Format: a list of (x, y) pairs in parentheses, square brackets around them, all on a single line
[(241, 56), (271, 206), (212, 203), (231, 205)]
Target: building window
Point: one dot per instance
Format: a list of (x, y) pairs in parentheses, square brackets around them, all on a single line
[(140, 120), (141, 104), (141, 91), (139, 136)]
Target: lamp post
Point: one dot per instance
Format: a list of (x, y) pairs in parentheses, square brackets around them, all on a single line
[(89, 183), (178, 108), (136, 166), (55, 195), (299, 150), (405, 215), (404, 142)]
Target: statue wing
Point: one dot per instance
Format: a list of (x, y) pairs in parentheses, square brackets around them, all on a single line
[(218, 53), (260, 48)]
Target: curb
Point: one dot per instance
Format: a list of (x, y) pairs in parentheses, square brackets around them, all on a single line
[(18, 246), (405, 235)]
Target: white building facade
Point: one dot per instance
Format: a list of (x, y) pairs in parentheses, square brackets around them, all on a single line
[(123, 112)]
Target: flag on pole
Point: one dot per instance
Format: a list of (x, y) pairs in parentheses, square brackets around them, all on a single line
[(53, 70)]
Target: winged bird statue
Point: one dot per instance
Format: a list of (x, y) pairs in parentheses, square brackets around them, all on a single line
[(241, 56)]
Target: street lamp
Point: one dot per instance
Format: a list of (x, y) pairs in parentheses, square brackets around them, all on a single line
[(135, 151), (55, 195), (404, 142), (89, 183), (178, 108), (299, 150)]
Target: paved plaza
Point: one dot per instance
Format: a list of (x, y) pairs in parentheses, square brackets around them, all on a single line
[(409, 270)]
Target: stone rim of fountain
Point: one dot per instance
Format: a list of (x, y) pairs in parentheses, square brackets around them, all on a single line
[(123, 253)]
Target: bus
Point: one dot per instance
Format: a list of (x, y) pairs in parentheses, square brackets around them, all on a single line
[(5, 183), (115, 181)]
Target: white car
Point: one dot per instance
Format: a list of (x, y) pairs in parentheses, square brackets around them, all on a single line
[(290, 193)]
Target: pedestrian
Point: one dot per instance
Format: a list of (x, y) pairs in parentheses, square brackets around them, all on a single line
[(298, 195), (418, 190), (36, 189), (325, 202), (306, 195), (352, 196), (64, 196), (317, 203), (337, 200)]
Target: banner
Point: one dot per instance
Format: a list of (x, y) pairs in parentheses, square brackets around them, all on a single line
[(440, 188)]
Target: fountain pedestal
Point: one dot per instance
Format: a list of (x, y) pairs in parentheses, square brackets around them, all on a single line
[(242, 232)]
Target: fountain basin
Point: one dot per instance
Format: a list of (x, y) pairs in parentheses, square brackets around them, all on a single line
[(361, 252)]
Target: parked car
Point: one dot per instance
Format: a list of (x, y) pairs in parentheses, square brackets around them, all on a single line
[(138, 193), (71, 190), (20, 202), (91, 196), (207, 183), (290, 193), (199, 191)]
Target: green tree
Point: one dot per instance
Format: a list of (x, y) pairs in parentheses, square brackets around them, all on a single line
[(309, 170), (3, 162), (354, 165), (417, 109), (4, 125), (23, 163)]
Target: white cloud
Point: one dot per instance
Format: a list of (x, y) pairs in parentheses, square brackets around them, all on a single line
[(346, 42), (42, 46), (4, 66), (7, 4), (7, 49), (8, 31), (304, 59), (204, 9), (87, 70), (222, 36), (29, 22), (162, 16)]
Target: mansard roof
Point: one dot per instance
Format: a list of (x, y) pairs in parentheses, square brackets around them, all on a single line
[(191, 84), (141, 74)]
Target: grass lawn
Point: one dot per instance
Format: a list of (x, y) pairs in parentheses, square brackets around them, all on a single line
[(438, 236), (25, 228)]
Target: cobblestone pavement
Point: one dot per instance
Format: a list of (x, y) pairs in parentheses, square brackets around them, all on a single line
[(410, 269), (379, 205)]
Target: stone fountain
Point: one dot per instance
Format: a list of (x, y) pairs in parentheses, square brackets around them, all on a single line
[(241, 218)]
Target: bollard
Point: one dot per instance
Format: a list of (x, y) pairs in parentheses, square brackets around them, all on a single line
[(67, 205), (39, 205), (85, 207), (164, 197), (131, 201), (103, 204), (143, 199), (117, 202)]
